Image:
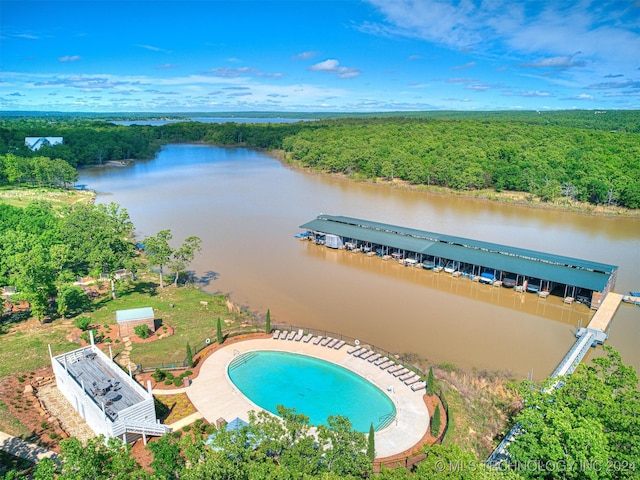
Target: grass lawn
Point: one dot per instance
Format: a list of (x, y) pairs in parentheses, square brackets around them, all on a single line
[(22, 196), (178, 308), (10, 425), (24, 343)]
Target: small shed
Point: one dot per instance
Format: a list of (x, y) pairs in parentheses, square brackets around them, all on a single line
[(128, 319)]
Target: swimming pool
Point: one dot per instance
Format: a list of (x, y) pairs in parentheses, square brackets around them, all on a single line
[(312, 386)]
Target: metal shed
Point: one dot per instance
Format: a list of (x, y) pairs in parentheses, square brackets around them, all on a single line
[(128, 319)]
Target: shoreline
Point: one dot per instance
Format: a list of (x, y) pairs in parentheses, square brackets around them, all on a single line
[(519, 199)]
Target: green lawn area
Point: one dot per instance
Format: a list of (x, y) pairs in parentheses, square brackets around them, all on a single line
[(24, 343), (178, 308), (22, 196), (10, 425)]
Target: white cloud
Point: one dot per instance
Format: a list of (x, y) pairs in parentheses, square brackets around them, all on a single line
[(605, 30), (152, 48), (304, 56), (465, 66), (70, 58), (333, 66)]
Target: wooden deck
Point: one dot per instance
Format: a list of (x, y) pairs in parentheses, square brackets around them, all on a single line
[(605, 313)]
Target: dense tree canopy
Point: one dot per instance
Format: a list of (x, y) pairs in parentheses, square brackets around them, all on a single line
[(44, 251), (589, 165), (588, 428), (582, 155)]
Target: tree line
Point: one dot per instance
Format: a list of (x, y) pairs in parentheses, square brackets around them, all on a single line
[(576, 156), (589, 428), (44, 251)]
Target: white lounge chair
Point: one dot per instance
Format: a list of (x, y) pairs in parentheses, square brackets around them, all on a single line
[(292, 334), (412, 380), (373, 358), (397, 368), (353, 349), (325, 341), (298, 337), (332, 343), (380, 361), (317, 340), (359, 351), (283, 334), (366, 355), (400, 372), (406, 376), (276, 334), (339, 345), (307, 337), (418, 386), (386, 364)]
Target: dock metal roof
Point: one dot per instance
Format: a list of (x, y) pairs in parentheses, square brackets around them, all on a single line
[(533, 264)]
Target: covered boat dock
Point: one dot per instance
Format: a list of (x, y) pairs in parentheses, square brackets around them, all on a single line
[(525, 270)]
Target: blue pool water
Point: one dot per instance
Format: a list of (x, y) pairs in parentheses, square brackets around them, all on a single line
[(313, 387)]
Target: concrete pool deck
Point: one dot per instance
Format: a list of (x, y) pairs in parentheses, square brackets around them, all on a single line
[(215, 396)]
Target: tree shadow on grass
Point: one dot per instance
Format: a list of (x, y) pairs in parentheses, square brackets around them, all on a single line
[(146, 288), (8, 319), (207, 278)]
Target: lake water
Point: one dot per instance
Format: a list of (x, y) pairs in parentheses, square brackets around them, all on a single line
[(246, 208)]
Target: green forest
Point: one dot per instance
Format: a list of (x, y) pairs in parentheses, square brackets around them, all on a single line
[(581, 156), (44, 251)]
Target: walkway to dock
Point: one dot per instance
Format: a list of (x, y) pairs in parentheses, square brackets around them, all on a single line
[(605, 313), (595, 333)]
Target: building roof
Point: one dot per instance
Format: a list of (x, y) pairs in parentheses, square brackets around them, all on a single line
[(34, 143), (134, 314), (105, 384), (532, 264)]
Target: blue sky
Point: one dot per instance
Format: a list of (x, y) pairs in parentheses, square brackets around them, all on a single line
[(308, 55)]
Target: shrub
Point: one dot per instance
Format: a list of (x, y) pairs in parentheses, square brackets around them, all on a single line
[(168, 382), (177, 381), (431, 382), (435, 422), (82, 322), (141, 330), (189, 356), (158, 375), (211, 428), (97, 338)]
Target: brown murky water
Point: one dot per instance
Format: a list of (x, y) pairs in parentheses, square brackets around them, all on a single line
[(246, 207)]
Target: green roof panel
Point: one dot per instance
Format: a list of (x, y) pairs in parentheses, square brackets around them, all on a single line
[(545, 266)]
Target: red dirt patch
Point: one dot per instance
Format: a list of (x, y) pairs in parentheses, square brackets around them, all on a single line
[(24, 406)]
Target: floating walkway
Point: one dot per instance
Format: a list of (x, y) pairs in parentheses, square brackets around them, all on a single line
[(594, 334)]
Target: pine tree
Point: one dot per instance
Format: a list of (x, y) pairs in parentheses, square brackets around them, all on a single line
[(435, 422), (189, 357), (371, 447), (219, 331), (431, 382), (267, 327)]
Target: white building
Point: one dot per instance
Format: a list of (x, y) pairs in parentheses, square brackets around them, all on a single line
[(34, 143), (111, 402)]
